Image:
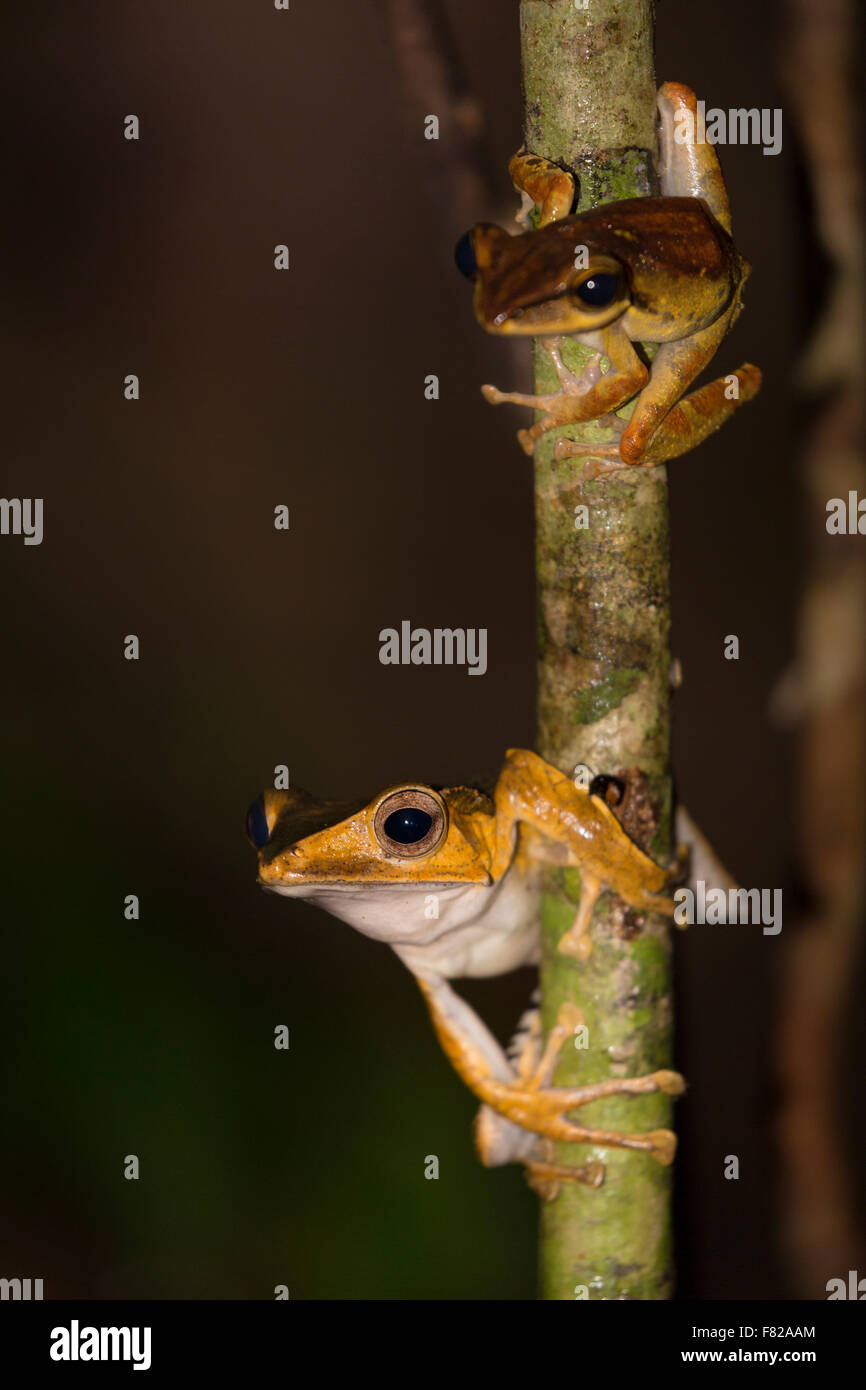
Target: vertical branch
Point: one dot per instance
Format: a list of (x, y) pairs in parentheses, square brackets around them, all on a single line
[(603, 675)]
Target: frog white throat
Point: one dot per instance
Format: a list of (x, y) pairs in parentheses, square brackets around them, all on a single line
[(453, 929)]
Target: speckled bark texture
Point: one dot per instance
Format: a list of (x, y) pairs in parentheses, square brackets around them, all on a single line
[(603, 679)]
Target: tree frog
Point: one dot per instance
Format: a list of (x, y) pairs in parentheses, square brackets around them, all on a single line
[(451, 880), (644, 270)]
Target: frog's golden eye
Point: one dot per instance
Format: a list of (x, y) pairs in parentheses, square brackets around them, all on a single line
[(410, 822), (598, 290), (258, 827)]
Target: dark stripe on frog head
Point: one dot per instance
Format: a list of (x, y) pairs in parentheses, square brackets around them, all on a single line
[(302, 814)]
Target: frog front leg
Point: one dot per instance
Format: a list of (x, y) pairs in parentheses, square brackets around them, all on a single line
[(582, 398), (533, 792), (526, 1103), (688, 166), (543, 185), (570, 384)]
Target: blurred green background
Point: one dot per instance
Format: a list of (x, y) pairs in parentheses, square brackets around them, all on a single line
[(259, 647)]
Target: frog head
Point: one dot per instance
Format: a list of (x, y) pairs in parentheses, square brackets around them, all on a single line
[(374, 863), (663, 265), (535, 284)]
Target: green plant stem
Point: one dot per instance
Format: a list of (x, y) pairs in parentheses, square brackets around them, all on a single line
[(603, 678)]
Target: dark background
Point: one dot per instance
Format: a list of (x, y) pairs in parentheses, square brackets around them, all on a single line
[(261, 647)]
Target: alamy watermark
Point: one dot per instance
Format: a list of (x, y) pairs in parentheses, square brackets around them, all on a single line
[(854, 1288), (438, 646), (758, 906), (736, 126), (22, 516), (21, 1290), (76, 1343)]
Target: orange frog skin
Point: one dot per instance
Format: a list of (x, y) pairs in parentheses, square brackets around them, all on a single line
[(645, 270), (451, 880)]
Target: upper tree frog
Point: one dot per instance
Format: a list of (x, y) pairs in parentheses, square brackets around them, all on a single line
[(644, 270)]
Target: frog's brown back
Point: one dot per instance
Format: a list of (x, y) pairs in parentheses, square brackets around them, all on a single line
[(654, 239)]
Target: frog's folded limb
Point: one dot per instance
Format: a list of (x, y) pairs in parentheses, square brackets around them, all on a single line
[(585, 826), (688, 424), (701, 413), (665, 424), (582, 398), (527, 1103), (675, 367)]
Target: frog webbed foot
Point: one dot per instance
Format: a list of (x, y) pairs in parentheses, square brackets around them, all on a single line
[(509, 1127), (520, 1092), (570, 384), (498, 1141), (602, 460), (546, 1177)]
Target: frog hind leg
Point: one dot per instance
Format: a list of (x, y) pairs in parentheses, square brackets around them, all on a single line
[(675, 366), (527, 1102), (687, 424), (689, 167), (701, 413), (543, 1175), (498, 1141)]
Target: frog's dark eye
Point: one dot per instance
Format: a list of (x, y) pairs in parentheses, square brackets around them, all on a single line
[(464, 257), (258, 830), (611, 790), (410, 822), (408, 825), (598, 290)]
